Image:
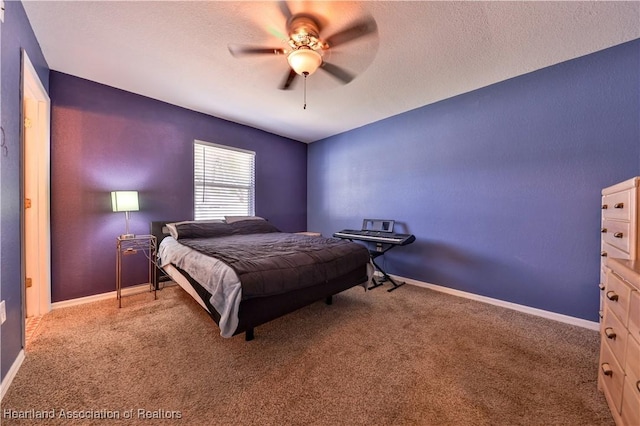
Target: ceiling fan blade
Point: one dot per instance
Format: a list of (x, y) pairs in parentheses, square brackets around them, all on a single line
[(286, 84), (242, 50), (339, 73), (284, 8), (359, 29), (277, 33)]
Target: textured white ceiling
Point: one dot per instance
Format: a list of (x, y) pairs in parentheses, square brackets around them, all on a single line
[(176, 51)]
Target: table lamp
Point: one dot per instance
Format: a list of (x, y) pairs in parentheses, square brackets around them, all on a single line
[(125, 201)]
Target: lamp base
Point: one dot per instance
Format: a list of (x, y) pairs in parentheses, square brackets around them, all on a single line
[(127, 236)]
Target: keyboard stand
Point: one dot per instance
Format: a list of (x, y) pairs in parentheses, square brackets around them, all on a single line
[(379, 251), (384, 242)]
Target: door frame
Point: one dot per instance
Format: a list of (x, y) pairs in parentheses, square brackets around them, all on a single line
[(39, 156)]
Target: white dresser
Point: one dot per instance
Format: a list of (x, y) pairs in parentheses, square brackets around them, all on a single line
[(619, 366)]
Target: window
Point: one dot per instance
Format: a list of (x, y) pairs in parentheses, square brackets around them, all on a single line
[(223, 180)]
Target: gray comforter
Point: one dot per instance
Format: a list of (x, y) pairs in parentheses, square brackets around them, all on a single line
[(275, 263)]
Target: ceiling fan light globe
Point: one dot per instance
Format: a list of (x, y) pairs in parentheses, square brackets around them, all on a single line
[(304, 61)]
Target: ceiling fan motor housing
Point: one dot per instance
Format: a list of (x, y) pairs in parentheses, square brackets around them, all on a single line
[(304, 31)]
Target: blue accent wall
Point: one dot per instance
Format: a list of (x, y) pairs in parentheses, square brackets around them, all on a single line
[(17, 34), (500, 186), (104, 139)]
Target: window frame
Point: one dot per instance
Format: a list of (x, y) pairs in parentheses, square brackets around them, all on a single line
[(246, 181)]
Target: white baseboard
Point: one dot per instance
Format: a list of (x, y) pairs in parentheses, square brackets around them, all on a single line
[(11, 374), (497, 302), (591, 325), (127, 291)]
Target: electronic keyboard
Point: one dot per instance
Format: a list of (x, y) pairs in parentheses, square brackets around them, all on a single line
[(376, 236)]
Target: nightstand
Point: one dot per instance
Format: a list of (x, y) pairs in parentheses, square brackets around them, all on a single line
[(145, 244)]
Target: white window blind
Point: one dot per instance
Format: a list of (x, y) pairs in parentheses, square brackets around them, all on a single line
[(224, 181)]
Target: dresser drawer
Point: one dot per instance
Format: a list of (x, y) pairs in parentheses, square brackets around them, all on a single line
[(607, 250), (617, 234), (630, 408), (617, 205), (634, 317), (615, 335), (617, 295), (611, 376), (632, 363)]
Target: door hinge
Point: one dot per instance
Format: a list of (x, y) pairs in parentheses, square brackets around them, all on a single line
[(28, 282), (27, 123), (27, 203)]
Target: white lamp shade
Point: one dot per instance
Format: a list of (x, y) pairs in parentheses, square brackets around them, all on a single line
[(124, 201), (304, 61)]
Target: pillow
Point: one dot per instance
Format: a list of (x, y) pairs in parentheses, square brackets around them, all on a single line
[(231, 219), (199, 229), (253, 227), (171, 227)]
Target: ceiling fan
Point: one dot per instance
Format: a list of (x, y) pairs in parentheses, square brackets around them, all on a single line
[(305, 47)]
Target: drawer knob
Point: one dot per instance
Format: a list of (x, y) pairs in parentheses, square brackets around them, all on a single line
[(603, 230), (601, 285), (618, 235), (618, 206), (611, 295), (603, 253), (638, 385), (606, 369), (604, 207), (600, 314), (610, 333)]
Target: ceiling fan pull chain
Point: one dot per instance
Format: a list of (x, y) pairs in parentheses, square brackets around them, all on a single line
[(305, 90)]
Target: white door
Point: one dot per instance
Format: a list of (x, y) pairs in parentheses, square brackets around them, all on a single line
[(36, 190), (31, 207)]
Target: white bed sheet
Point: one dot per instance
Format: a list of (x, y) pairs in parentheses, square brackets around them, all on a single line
[(220, 280)]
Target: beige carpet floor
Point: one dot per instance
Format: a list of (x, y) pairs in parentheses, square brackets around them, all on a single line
[(410, 357)]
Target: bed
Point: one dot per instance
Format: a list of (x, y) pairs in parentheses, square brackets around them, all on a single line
[(244, 272)]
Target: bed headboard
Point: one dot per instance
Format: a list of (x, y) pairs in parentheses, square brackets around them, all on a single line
[(159, 230)]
